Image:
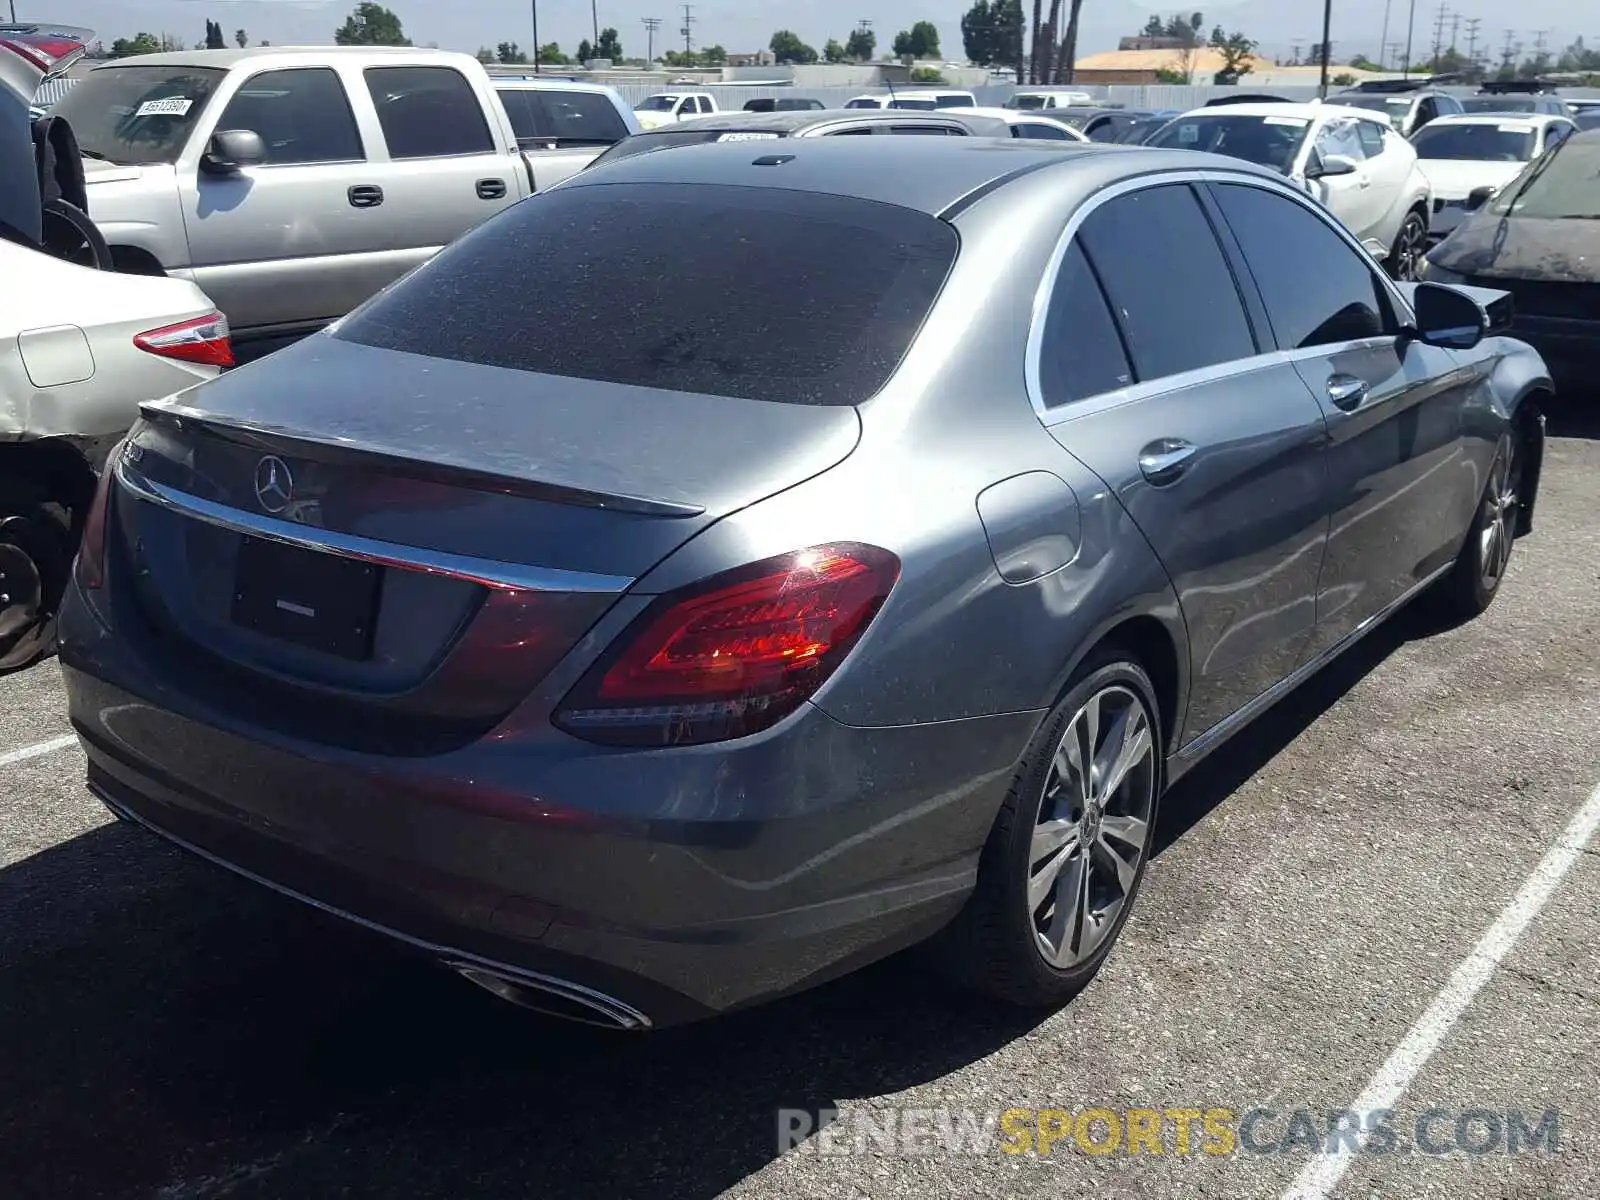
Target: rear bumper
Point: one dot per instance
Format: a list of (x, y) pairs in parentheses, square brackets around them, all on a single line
[(672, 884)]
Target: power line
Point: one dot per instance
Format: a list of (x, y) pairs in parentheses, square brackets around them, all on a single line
[(651, 24), (688, 28), (1455, 30), (1438, 31), (1383, 38), (1472, 38)]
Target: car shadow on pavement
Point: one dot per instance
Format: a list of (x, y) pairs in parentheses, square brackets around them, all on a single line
[(167, 1028), (1575, 415)]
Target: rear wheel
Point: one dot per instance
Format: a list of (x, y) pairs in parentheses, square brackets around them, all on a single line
[(1474, 580), (1405, 256), (1067, 853), (36, 548)]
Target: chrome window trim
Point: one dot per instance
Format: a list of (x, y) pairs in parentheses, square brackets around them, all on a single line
[(489, 573), (1051, 416)]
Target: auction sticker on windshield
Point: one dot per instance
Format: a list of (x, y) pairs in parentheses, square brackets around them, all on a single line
[(172, 106), (1188, 134)]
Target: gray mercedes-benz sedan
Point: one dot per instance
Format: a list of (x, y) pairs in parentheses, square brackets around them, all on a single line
[(732, 566)]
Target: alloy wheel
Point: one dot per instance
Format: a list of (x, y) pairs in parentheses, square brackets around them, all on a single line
[(1408, 248), (1093, 826), (1499, 524)]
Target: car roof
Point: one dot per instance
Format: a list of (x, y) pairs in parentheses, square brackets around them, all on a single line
[(521, 83), (1309, 111), (926, 174), (791, 120), (1531, 120), (224, 59)]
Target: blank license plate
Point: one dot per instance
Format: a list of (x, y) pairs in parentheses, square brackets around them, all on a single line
[(320, 601)]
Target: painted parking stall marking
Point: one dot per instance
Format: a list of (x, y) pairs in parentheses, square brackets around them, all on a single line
[(38, 750), (1319, 1178)]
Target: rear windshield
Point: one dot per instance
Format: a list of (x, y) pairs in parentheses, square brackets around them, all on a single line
[(666, 139), (1475, 143), (134, 115), (760, 293), (1505, 104)]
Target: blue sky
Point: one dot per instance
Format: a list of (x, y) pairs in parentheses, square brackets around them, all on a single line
[(747, 24)]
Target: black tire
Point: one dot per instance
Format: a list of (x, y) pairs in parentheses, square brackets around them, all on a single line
[(1410, 244), (994, 945), (1480, 567), (36, 550)]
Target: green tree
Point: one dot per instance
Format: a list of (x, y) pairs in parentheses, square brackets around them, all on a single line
[(585, 51), (715, 55), (927, 75), (861, 45), (1153, 28), (609, 45), (485, 55), (920, 41), (510, 53), (371, 24), (788, 49), (241, 37), (991, 34), (553, 55), (214, 38), (1362, 63), (139, 43), (832, 51), (1236, 50)]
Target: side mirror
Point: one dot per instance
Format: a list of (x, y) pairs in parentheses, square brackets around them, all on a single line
[(1478, 197), (231, 150), (1332, 164), (1447, 317)]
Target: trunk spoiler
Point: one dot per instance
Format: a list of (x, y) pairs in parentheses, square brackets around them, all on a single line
[(50, 50), (274, 440)]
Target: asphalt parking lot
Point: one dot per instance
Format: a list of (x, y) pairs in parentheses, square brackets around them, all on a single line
[(167, 1031)]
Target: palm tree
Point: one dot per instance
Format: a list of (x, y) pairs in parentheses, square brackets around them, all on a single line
[(1050, 42), (1068, 57), (1033, 59)]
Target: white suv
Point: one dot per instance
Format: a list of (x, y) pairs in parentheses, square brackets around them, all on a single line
[(1349, 158)]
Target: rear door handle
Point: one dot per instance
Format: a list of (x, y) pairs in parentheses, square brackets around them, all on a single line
[(365, 195), (1165, 460), (1346, 392), (491, 189)]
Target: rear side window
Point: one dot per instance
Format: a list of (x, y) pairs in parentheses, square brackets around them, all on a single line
[(634, 284), (1318, 290), (1047, 132), (1169, 284), (1082, 353), (566, 118), (302, 116), (1371, 138), (935, 130), (428, 112)]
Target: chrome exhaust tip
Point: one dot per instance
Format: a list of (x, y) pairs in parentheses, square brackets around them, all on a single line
[(555, 997)]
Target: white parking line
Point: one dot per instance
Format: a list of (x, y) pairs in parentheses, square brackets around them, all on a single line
[(1318, 1179), (34, 751)]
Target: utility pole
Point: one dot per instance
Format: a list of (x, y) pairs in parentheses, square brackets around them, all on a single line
[(1326, 49), (1394, 49), (1472, 38), (651, 24), (1438, 32), (1455, 31), (535, 37), (1508, 53), (594, 15), (1295, 45), (688, 28), (1383, 38), (1411, 24)]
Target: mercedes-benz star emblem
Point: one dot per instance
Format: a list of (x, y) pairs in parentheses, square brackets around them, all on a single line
[(274, 484)]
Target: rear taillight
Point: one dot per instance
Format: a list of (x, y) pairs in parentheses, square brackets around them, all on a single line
[(91, 565), (41, 52), (734, 654), (203, 340)]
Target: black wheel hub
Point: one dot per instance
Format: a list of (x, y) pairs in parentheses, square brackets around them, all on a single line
[(21, 589)]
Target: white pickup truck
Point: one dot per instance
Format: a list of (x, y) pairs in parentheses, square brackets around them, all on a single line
[(292, 184), (655, 111)]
